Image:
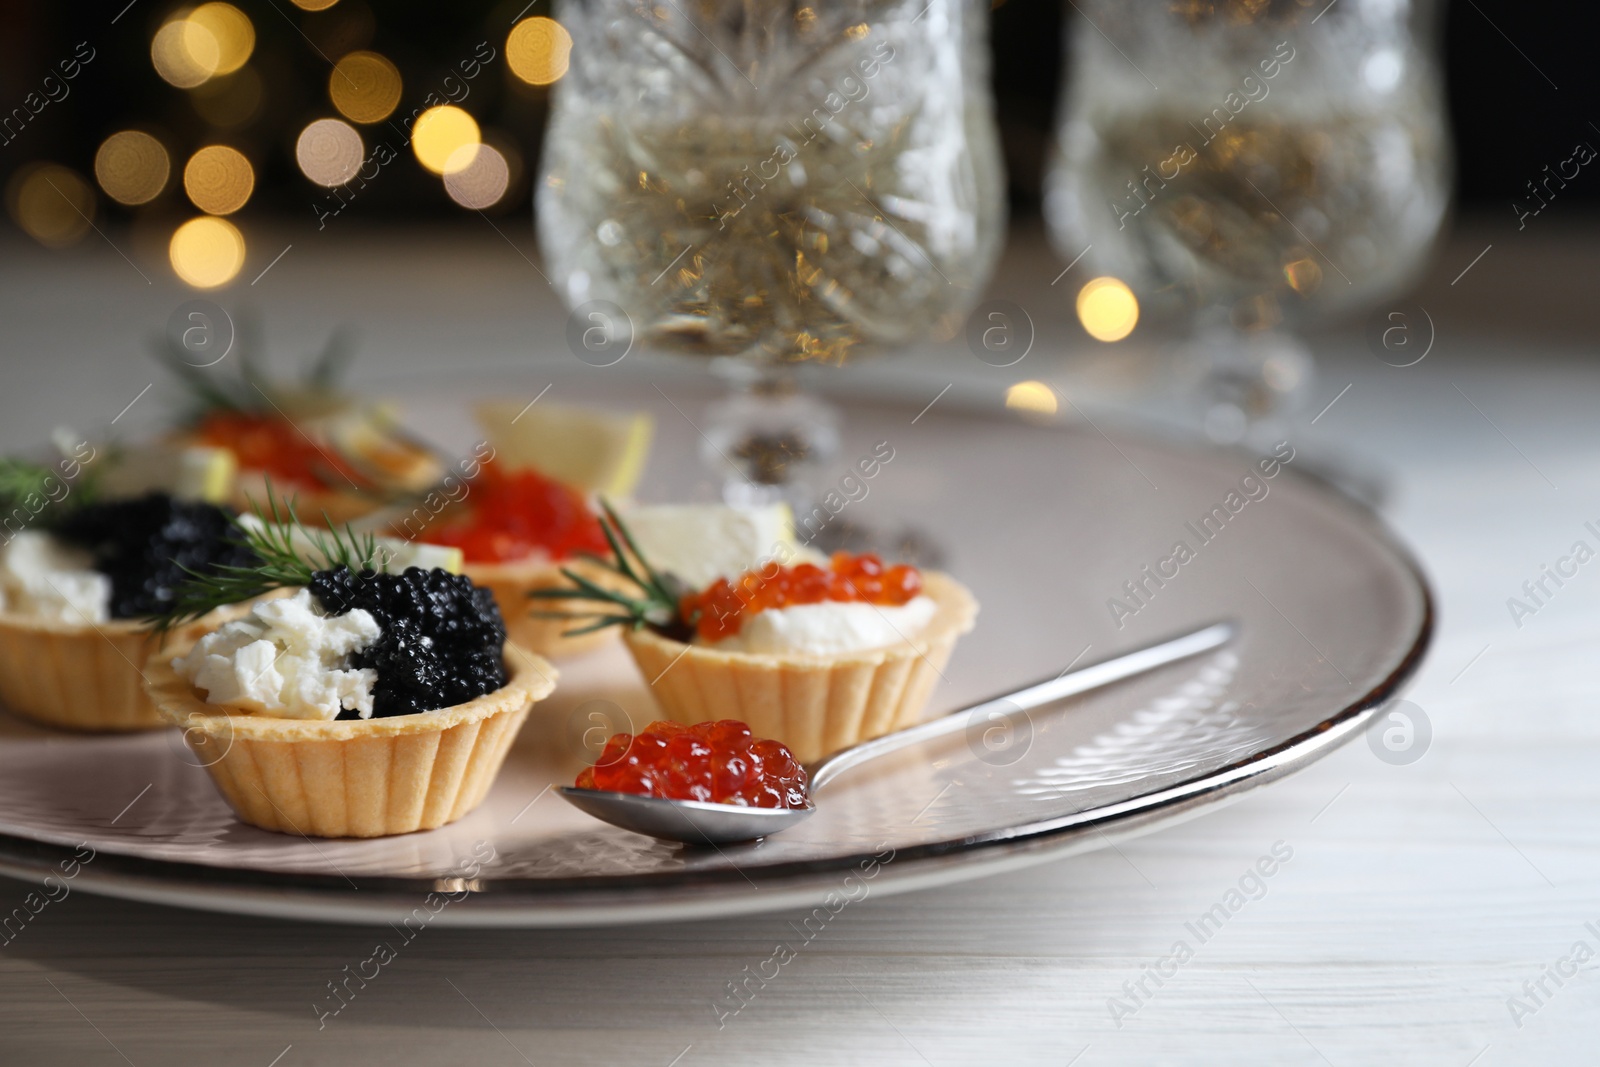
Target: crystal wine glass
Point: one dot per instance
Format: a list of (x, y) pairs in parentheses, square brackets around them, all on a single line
[(1248, 166), (771, 183)]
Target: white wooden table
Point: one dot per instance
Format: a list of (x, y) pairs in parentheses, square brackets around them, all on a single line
[(1418, 900)]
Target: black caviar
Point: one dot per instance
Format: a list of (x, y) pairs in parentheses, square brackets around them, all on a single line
[(144, 543), (443, 641)]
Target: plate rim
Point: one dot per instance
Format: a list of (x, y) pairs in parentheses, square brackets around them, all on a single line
[(528, 902)]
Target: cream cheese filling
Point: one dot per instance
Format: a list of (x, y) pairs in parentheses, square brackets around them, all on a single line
[(829, 628)]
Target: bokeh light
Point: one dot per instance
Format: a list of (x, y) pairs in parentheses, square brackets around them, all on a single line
[(480, 180), (228, 101), (329, 152), (440, 134), (185, 53), (51, 203), (314, 5), (538, 50), (132, 167), (232, 31), (1303, 275), (1108, 309), (219, 179), (207, 252), (365, 87), (1034, 397)]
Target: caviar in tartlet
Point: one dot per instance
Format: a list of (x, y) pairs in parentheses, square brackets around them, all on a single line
[(716, 762), (308, 435), (149, 545), (366, 703), (271, 444), (442, 638), (511, 514), (720, 610), (855, 602), (415, 641)]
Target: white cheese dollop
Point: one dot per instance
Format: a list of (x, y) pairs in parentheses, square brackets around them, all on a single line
[(41, 577), (829, 628), (287, 659)]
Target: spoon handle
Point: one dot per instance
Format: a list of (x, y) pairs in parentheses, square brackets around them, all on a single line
[(1069, 683)]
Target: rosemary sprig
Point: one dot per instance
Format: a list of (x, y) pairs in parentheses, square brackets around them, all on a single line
[(288, 553), (655, 605)]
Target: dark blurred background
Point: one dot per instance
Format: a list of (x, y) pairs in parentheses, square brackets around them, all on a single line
[(1521, 83)]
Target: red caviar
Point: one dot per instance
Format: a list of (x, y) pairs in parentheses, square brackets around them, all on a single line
[(717, 762), (512, 514), (272, 444), (720, 609)]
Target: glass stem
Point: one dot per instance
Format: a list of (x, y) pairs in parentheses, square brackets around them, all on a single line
[(766, 438)]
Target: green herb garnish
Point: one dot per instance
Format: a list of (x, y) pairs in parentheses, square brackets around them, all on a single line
[(655, 606), (288, 554), (20, 479), (241, 385)]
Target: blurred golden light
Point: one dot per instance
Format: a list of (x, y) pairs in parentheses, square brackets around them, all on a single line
[(365, 87), (52, 204), (314, 5), (1035, 397), (219, 179), (207, 252), (329, 152), (231, 100), (538, 49), (438, 136), (232, 31), (481, 178), (132, 167), (1108, 309), (185, 53), (1303, 275)]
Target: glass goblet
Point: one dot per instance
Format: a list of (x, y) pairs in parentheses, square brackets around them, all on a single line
[(772, 183)]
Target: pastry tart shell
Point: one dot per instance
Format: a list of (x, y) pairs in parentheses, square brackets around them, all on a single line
[(813, 704), (355, 777), (85, 676)]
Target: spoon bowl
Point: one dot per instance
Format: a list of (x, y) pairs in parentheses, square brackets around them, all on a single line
[(693, 822), (696, 822)]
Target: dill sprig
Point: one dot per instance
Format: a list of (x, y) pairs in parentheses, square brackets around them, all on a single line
[(20, 479), (288, 553), (655, 605), (243, 386)]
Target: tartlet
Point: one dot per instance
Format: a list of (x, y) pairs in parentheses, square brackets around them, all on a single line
[(372, 700), (81, 676), (341, 458), (813, 704), (815, 698), (356, 777), (80, 665)]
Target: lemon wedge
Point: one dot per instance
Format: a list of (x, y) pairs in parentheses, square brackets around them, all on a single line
[(587, 448), (703, 542)]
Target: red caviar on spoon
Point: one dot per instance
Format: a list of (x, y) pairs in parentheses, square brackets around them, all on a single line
[(715, 762)]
